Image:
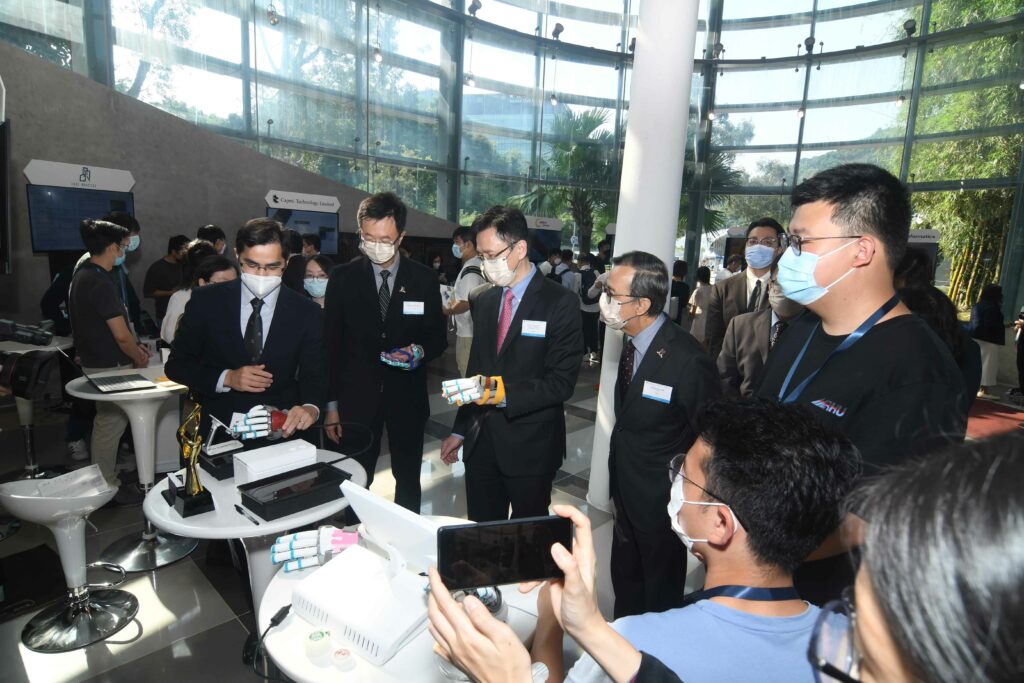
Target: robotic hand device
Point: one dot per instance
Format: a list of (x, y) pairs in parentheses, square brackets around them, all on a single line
[(261, 421), (311, 548), (405, 358), (479, 389)]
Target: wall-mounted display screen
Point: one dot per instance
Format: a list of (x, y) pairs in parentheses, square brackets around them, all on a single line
[(305, 222), (55, 213)]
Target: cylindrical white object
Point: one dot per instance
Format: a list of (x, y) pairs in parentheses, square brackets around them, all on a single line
[(652, 177)]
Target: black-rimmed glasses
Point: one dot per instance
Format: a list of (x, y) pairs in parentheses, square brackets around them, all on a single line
[(796, 242), (833, 650), (675, 473), (484, 257)]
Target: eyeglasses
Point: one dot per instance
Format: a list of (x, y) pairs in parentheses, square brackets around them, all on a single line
[(764, 242), (487, 257), (607, 291), (833, 650), (271, 269), (796, 242)]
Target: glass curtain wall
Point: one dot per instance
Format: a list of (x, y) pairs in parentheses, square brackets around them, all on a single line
[(458, 110)]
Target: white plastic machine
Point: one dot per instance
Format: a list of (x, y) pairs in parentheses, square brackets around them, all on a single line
[(377, 603)]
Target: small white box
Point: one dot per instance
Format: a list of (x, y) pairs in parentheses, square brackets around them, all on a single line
[(270, 460)]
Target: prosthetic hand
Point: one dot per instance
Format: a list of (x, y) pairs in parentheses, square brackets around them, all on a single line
[(479, 389), (311, 548), (260, 421), (406, 358)]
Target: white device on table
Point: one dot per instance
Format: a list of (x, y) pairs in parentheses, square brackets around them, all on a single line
[(376, 605), (261, 463), (216, 444)]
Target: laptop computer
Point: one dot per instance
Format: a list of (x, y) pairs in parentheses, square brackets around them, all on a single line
[(114, 383)]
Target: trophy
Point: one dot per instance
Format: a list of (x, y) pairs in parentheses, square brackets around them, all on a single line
[(192, 498)]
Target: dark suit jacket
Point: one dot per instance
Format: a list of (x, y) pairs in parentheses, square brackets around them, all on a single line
[(728, 300), (648, 433), (744, 352), (528, 434), (354, 337), (209, 341)]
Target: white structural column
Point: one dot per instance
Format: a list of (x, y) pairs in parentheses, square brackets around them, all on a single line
[(652, 177)]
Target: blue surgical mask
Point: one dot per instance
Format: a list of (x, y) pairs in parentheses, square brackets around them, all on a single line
[(759, 256), (796, 275), (119, 260), (456, 251), (315, 287), (133, 242)]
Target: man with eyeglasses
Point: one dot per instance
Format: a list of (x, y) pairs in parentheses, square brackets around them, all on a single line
[(861, 362), (749, 339), (104, 340), (523, 365), (250, 341), (665, 378), (382, 325), (748, 291)]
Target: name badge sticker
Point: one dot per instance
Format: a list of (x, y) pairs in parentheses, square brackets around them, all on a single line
[(412, 307), (657, 392), (535, 328)]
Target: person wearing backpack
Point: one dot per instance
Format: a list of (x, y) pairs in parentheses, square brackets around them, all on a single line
[(469, 278), (589, 308)]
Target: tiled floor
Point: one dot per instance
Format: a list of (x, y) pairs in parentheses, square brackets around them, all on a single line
[(195, 614)]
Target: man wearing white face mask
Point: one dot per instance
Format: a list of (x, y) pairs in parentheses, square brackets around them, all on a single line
[(747, 291), (748, 340), (526, 353), (249, 341), (665, 378), (757, 490), (861, 361), (382, 325)]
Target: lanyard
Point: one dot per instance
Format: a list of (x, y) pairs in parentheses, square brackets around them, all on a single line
[(852, 339), (744, 593)]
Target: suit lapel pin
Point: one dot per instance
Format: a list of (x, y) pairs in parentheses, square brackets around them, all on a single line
[(401, 290), (661, 353)]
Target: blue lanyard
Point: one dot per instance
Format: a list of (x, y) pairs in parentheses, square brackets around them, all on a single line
[(852, 339), (744, 593)]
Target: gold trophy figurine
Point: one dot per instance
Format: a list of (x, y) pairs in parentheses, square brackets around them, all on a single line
[(192, 498)]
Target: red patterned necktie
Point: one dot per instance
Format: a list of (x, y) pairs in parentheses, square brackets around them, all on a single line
[(505, 321)]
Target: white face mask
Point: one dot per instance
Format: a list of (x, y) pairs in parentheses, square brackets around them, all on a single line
[(378, 252), (261, 285), (611, 312), (223, 248), (498, 272), (676, 503)]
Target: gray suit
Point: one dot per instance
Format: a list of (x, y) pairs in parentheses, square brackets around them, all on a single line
[(728, 300), (744, 352)]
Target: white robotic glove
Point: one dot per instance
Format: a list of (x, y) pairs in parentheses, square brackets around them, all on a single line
[(259, 422), (462, 390), (311, 548)]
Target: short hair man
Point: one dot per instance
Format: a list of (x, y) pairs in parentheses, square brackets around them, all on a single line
[(310, 245), (103, 338), (469, 279), (280, 360), (750, 337), (860, 361), (665, 378), (750, 292), (604, 256), (527, 344), (167, 275), (215, 236), (382, 325)]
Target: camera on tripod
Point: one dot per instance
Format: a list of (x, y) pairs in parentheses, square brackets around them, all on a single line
[(24, 334)]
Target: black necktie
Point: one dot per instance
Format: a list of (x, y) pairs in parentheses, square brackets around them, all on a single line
[(626, 368), (254, 331), (755, 297), (778, 328), (384, 293)]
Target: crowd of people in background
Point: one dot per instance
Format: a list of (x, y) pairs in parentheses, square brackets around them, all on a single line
[(794, 424)]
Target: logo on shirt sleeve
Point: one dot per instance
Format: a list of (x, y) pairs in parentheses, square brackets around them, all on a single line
[(829, 407)]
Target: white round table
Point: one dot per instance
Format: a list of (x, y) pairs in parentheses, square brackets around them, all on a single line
[(26, 411), (152, 549), (226, 522), (415, 662)]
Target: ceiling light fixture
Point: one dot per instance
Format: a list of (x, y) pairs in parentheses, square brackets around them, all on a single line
[(711, 116), (474, 7), (800, 112), (272, 16), (557, 31), (378, 56)]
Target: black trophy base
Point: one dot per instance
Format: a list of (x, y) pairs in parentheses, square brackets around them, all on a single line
[(186, 505)]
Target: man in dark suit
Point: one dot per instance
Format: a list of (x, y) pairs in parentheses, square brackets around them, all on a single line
[(664, 380), (250, 341), (747, 291), (749, 338), (527, 349), (383, 323)]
